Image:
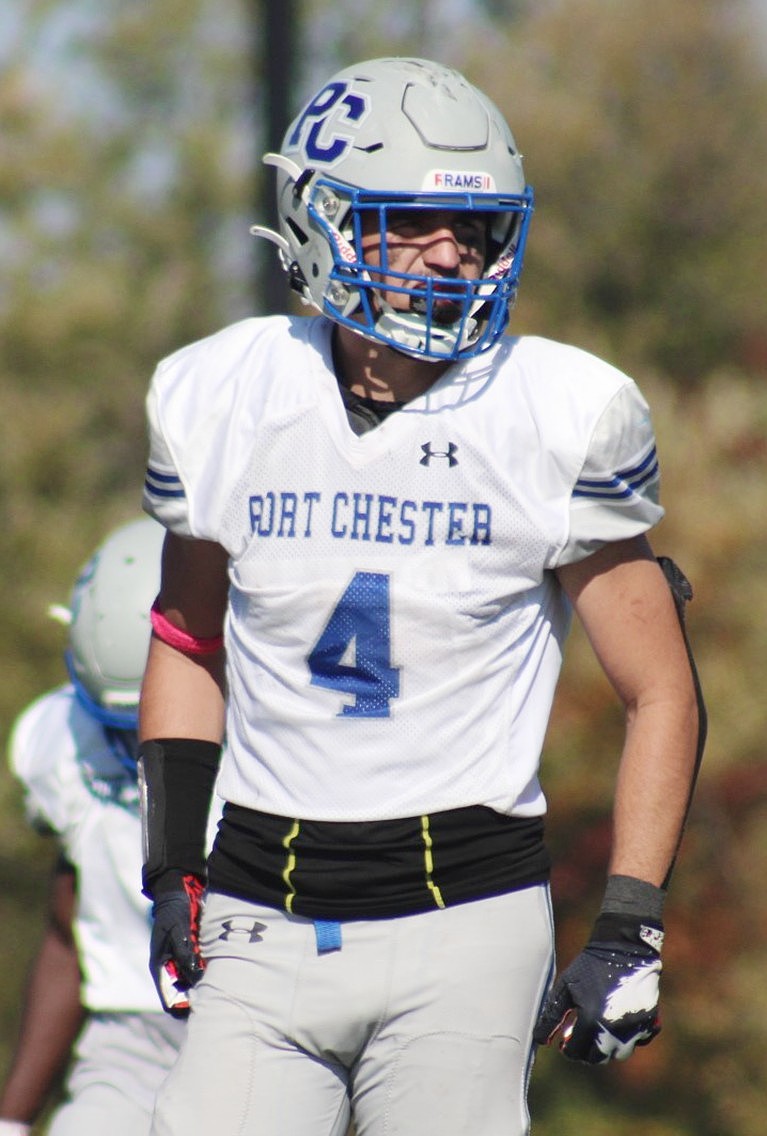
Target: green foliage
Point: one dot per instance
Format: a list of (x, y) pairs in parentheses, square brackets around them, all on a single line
[(116, 212), (128, 136), (647, 147)]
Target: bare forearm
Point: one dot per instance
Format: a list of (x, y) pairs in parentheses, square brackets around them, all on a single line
[(625, 604), (653, 789)]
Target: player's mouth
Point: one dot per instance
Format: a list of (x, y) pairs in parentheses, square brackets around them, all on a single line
[(443, 309)]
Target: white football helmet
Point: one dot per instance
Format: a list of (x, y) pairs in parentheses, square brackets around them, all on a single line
[(109, 628), (400, 134)]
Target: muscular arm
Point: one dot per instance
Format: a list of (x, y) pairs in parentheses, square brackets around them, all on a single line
[(622, 598), (183, 695), (52, 1013)]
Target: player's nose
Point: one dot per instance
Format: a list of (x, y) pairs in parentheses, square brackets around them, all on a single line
[(443, 251)]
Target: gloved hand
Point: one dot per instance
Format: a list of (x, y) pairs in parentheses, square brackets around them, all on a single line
[(175, 961), (606, 1002)]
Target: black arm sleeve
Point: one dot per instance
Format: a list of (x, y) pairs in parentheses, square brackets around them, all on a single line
[(176, 779)]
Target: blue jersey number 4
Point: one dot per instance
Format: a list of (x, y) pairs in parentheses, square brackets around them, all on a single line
[(358, 632)]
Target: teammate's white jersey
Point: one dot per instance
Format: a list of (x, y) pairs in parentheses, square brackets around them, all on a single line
[(76, 786), (395, 630)]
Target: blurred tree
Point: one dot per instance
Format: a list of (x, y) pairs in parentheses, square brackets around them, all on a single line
[(275, 38), (126, 139), (646, 140)]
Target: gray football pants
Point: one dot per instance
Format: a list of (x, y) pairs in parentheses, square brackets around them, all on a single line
[(417, 1025)]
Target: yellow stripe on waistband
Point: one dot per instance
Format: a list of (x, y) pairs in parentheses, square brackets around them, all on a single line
[(290, 864), (429, 862)]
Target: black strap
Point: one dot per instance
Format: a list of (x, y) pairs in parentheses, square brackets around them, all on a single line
[(681, 590)]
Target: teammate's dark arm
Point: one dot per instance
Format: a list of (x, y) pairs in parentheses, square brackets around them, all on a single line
[(52, 1012)]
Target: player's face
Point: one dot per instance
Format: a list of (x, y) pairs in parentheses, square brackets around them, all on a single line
[(443, 244)]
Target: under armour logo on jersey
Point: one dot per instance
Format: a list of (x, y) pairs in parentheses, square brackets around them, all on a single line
[(448, 454), (242, 928)]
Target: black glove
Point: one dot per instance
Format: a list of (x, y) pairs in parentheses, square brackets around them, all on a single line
[(174, 953), (606, 1002)]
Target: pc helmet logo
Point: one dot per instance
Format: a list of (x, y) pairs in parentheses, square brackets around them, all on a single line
[(321, 130)]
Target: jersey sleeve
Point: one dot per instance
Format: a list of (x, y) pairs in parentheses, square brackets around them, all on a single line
[(198, 411), (165, 496), (37, 740), (616, 494)]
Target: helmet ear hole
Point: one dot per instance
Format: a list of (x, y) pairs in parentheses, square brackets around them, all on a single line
[(297, 231)]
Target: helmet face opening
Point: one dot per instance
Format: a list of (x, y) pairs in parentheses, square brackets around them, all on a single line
[(425, 315), (391, 135)]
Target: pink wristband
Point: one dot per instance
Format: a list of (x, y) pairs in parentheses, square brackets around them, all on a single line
[(182, 640)]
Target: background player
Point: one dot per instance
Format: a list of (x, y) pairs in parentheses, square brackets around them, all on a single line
[(74, 750), (389, 510)]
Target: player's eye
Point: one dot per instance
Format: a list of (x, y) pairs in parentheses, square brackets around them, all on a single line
[(470, 231), (407, 223)]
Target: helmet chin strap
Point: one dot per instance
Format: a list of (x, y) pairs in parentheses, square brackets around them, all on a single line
[(407, 332)]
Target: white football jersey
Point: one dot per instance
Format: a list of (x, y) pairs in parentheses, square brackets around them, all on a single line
[(76, 786), (395, 630)]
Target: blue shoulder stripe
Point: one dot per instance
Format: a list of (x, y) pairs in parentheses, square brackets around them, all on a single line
[(163, 484), (624, 483)]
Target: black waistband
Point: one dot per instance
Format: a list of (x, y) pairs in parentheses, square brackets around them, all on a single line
[(375, 869)]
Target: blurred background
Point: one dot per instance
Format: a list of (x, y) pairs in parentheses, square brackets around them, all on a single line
[(130, 144)]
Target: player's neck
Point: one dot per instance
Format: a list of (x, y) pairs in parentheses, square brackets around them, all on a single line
[(374, 371)]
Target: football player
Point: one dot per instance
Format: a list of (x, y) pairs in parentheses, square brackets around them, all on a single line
[(74, 751), (380, 517)]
